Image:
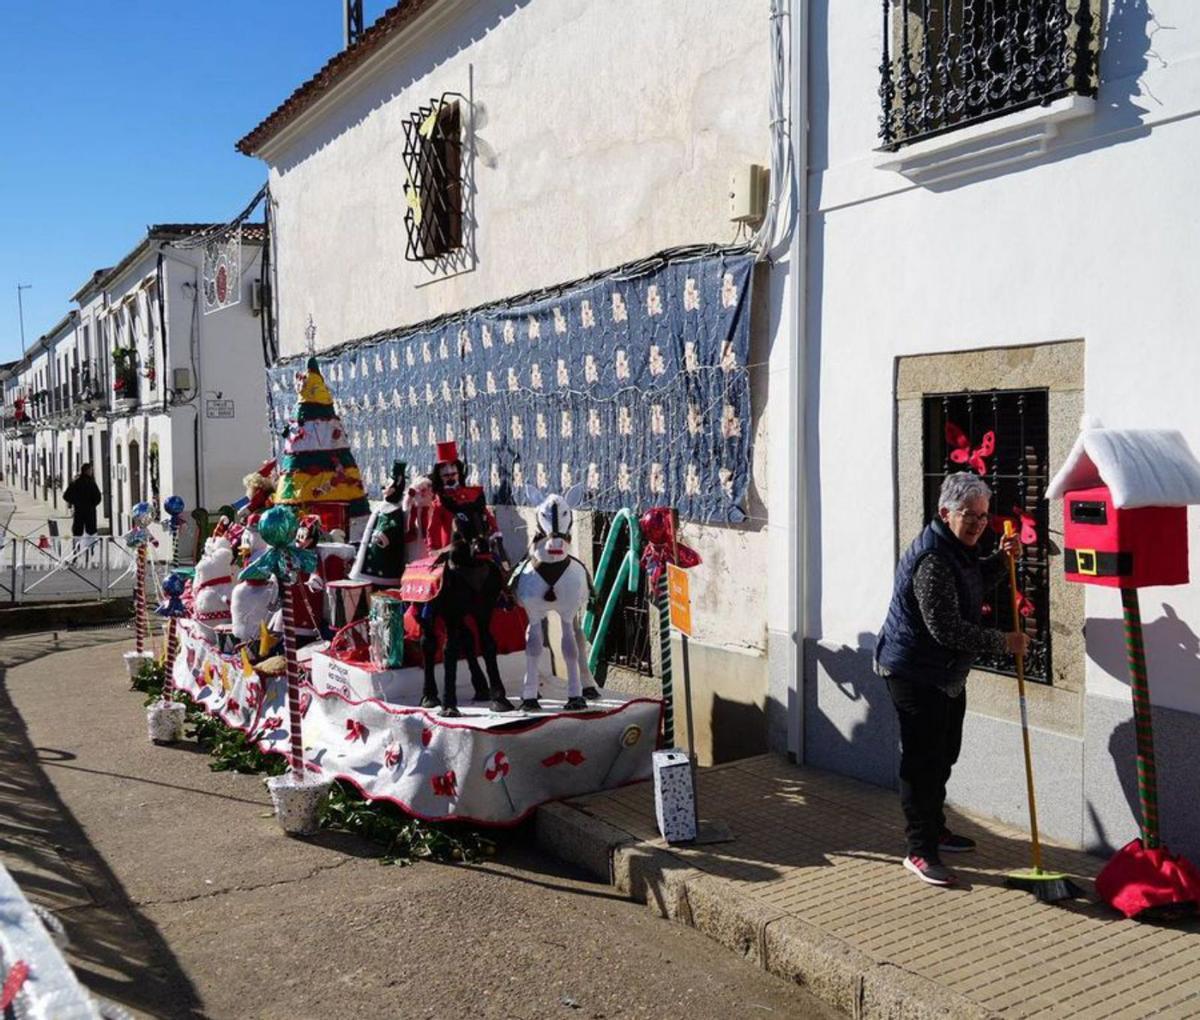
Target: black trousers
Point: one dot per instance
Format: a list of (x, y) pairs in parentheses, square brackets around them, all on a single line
[(931, 725), (83, 522)]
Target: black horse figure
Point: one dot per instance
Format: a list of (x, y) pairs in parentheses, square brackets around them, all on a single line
[(472, 583)]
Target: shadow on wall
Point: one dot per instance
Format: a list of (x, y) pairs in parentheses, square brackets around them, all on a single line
[(739, 730), (849, 724), (1172, 657)]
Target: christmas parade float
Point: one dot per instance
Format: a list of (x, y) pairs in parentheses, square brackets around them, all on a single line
[(344, 656)]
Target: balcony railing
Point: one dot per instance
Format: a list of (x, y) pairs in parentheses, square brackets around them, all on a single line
[(949, 63)]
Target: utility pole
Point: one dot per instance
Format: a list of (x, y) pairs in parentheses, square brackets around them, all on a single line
[(21, 312), (352, 22)]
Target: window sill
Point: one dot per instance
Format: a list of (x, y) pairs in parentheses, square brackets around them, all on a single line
[(1012, 139)]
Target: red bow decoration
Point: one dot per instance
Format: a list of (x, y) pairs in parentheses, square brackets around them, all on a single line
[(426, 736), (572, 757), (273, 722), (658, 532), (392, 755), (253, 694), (232, 705), (496, 767), (1024, 522), (962, 453), (13, 983), (356, 730), (446, 785)]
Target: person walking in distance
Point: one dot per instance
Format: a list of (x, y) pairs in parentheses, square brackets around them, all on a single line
[(83, 495), (925, 650)]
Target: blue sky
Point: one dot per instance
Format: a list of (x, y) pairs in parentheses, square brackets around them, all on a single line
[(115, 114)]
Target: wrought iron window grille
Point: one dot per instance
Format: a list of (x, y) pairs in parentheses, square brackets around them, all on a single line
[(1017, 471), (950, 63), (433, 187)]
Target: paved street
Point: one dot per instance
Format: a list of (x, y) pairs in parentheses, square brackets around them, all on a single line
[(183, 899)]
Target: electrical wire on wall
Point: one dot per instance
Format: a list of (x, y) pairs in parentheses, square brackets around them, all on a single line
[(774, 234)]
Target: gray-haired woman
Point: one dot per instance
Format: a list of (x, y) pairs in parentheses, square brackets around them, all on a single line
[(927, 646)]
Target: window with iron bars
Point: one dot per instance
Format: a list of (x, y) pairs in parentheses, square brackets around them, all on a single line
[(627, 643), (433, 189), (1015, 464), (950, 63)]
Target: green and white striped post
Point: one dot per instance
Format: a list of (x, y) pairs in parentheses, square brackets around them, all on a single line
[(1143, 725)]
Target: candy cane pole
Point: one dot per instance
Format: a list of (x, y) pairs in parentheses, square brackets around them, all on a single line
[(139, 600), (664, 652), (1146, 771), (293, 682)]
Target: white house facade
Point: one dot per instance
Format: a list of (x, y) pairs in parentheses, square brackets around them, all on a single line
[(1010, 252), (592, 136)]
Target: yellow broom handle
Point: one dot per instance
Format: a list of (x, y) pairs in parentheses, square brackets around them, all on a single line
[(1009, 531)]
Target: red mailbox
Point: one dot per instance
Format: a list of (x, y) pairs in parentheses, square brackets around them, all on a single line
[(1125, 496), (1123, 547)]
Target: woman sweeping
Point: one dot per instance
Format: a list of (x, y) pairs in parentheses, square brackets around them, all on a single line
[(930, 640)]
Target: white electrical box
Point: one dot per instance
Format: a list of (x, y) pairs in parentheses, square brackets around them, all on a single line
[(181, 379), (748, 193), (256, 297), (674, 798)]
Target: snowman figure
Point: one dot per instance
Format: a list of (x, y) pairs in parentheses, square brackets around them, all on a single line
[(213, 583)]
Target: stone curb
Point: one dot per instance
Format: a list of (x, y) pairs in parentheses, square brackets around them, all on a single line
[(25, 617), (833, 970)]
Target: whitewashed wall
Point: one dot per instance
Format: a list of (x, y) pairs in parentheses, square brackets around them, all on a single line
[(1099, 239)]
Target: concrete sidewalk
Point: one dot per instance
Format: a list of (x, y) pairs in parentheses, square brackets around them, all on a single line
[(813, 891), (29, 516)]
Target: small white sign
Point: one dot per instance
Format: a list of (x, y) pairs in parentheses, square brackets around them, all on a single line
[(218, 409)]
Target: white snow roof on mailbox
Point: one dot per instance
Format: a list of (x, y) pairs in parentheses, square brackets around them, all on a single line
[(1141, 467)]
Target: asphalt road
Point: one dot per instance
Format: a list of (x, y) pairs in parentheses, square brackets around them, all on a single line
[(184, 900)]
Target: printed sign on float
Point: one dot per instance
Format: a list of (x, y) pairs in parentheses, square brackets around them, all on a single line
[(680, 598), (218, 408)]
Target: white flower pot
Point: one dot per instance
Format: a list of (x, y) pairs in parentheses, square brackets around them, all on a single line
[(298, 802), (164, 721), (134, 662)]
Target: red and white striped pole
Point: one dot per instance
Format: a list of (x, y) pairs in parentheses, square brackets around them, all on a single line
[(293, 682), (139, 600)]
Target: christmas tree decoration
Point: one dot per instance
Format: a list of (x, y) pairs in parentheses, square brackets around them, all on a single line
[(317, 467)]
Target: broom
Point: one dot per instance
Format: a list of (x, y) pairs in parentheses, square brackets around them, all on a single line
[(1047, 886)]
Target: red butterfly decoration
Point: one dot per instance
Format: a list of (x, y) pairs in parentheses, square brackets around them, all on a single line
[(1024, 522), (961, 451), (356, 730), (445, 785), (571, 757)]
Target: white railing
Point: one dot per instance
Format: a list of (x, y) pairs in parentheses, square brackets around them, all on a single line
[(49, 568)]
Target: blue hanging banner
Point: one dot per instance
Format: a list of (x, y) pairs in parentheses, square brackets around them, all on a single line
[(636, 386)]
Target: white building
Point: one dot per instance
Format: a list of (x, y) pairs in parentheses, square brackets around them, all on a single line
[(160, 398), (1000, 270), (580, 137)]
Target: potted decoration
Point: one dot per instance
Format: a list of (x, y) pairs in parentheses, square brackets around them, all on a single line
[(125, 377)]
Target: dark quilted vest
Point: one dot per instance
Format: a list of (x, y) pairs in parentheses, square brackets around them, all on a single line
[(905, 646)]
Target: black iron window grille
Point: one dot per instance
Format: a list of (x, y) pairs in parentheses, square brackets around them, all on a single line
[(627, 643), (1004, 436), (949, 63), (433, 189)]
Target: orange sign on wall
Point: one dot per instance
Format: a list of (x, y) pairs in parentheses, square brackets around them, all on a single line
[(680, 599)]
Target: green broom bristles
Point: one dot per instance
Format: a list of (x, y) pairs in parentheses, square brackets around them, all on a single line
[(1046, 886)]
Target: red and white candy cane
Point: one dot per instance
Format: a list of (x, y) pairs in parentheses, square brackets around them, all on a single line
[(293, 682), (139, 600)]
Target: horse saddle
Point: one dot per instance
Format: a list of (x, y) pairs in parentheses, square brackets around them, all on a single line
[(422, 580)]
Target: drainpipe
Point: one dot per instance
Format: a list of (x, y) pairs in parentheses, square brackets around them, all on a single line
[(797, 382)]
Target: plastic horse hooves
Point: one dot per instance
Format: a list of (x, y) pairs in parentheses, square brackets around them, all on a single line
[(530, 705), (430, 701), (501, 704), (450, 712), (574, 705), (591, 693)]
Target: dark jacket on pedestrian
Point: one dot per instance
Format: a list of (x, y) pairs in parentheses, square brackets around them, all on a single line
[(932, 632), (84, 496)]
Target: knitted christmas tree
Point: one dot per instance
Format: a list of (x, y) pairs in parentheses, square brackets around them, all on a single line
[(317, 465)]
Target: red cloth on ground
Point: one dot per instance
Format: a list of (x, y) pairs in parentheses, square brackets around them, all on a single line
[(1137, 879)]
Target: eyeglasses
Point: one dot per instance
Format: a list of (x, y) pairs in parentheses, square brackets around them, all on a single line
[(972, 519)]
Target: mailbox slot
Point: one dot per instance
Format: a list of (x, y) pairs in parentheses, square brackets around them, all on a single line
[(1089, 512)]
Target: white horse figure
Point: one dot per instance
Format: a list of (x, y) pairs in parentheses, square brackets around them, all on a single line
[(551, 580)]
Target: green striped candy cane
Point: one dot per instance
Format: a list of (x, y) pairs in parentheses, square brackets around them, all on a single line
[(1146, 771)]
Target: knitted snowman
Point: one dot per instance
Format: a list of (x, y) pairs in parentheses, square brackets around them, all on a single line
[(213, 583)]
